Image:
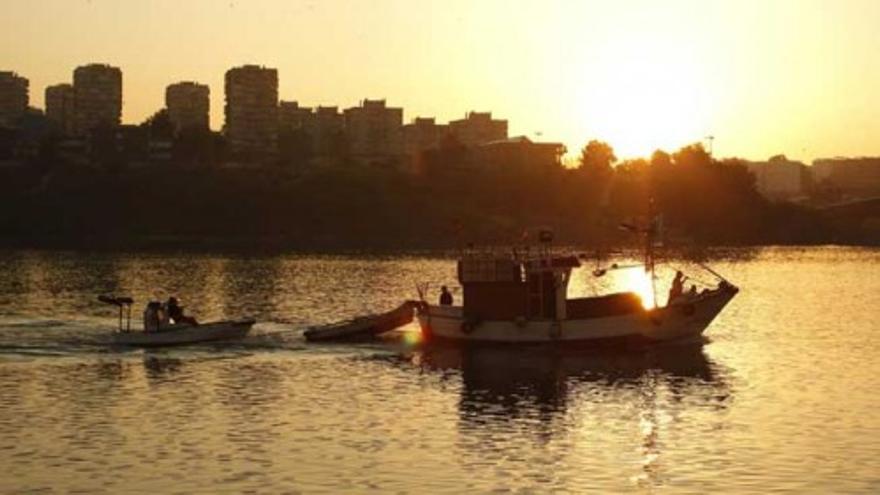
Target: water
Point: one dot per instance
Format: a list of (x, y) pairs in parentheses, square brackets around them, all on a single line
[(781, 395)]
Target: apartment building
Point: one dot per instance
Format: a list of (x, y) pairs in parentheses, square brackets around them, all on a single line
[(251, 110), (189, 106), (97, 97)]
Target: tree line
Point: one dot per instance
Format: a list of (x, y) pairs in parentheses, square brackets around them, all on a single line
[(442, 199)]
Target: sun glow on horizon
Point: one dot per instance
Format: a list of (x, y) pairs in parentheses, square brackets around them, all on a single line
[(645, 94)]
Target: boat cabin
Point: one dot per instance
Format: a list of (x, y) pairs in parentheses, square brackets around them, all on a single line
[(506, 289), (514, 288)]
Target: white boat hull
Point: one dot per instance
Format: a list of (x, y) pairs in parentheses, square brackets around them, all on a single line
[(687, 319), (186, 334)]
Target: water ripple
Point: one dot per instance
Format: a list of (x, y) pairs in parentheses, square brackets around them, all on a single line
[(780, 397)]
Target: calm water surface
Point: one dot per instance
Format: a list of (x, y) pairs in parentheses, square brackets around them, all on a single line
[(782, 395)]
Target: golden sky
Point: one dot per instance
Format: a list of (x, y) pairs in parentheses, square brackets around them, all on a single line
[(799, 77)]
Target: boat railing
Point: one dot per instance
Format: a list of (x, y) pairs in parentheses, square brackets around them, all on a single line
[(124, 304)]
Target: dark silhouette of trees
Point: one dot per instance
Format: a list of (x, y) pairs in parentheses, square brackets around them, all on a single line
[(452, 197), (596, 160), (197, 147), (159, 125), (104, 148)]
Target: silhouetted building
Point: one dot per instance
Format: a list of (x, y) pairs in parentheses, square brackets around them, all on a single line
[(326, 130), (423, 134), (252, 110), (478, 128), (292, 117), (779, 177), (853, 177), (189, 106), (97, 99), (13, 98), (60, 107), (31, 130), (517, 152), (374, 131)]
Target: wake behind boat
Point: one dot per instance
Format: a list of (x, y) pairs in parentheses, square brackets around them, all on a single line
[(160, 331)]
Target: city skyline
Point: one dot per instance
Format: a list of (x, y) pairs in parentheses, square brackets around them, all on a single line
[(638, 78)]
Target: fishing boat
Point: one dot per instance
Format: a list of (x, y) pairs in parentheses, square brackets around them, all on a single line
[(173, 334), (520, 297)]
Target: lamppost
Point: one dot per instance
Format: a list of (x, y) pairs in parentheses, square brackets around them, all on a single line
[(711, 140)]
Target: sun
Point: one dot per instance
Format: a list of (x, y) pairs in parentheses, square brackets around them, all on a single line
[(645, 97), (638, 281)]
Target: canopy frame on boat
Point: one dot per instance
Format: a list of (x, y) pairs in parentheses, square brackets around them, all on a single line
[(124, 305)]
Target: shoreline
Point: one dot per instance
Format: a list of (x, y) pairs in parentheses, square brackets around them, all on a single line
[(280, 246)]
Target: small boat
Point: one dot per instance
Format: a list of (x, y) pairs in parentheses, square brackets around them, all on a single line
[(362, 327), (176, 334), (186, 334), (521, 298)]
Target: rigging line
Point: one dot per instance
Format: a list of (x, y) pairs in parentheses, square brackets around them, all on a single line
[(713, 272), (699, 281)]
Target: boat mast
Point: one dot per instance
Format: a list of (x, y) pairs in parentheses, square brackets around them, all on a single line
[(650, 231)]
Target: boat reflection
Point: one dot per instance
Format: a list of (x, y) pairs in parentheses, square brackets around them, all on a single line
[(514, 399), (158, 366), (513, 382)]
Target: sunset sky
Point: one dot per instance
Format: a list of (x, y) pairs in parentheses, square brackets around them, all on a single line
[(799, 77)]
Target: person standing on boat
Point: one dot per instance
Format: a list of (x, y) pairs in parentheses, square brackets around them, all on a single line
[(445, 296), (175, 312), (677, 288)]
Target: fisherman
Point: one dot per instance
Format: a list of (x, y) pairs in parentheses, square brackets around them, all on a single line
[(445, 296), (152, 316), (175, 312), (677, 288)]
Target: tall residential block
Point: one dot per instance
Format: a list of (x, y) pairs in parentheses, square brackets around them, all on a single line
[(478, 128), (374, 130), (189, 106), (13, 97), (59, 107), (252, 109), (97, 97)]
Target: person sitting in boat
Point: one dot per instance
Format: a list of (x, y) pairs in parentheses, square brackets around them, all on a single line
[(677, 288), (445, 296), (152, 317), (175, 312)]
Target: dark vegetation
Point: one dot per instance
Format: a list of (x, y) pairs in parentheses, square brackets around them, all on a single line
[(445, 200)]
